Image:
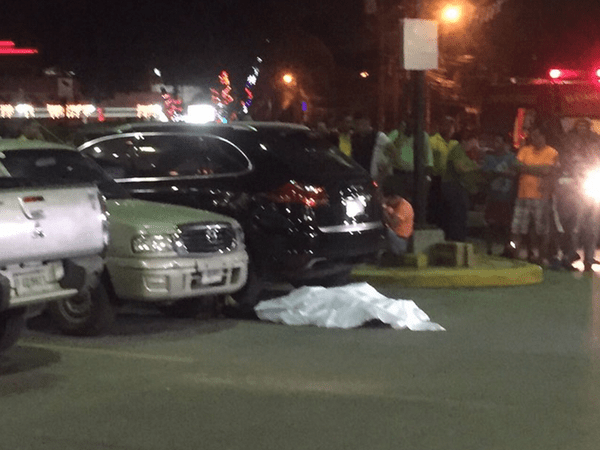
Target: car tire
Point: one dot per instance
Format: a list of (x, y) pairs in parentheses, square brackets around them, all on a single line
[(12, 323), (249, 295), (338, 279), (190, 307), (85, 314)]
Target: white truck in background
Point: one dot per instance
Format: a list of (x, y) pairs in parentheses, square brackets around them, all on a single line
[(52, 241)]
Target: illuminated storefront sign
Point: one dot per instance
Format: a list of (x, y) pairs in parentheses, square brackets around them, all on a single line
[(79, 111)]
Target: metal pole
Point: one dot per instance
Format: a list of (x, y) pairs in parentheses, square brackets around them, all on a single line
[(420, 197), (420, 194)]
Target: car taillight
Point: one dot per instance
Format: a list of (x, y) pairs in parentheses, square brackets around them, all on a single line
[(294, 192)]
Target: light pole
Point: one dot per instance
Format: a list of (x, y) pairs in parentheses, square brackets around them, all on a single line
[(420, 197), (450, 13)]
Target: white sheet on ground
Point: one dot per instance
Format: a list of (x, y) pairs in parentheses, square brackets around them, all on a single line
[(344, 307)]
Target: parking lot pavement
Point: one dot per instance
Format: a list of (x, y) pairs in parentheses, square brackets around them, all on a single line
[(516, 368)]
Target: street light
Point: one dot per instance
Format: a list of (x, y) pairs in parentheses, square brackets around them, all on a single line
[(451, 13), (288, 78)]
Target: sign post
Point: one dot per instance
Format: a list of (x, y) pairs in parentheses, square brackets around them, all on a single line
[(419, 53)]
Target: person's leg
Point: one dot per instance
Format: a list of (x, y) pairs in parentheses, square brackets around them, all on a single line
[(396, 245), (455, 200), (520, 225), (541, 211), (589, 228)]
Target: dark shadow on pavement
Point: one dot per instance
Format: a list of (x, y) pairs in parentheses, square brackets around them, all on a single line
[(18, 369)]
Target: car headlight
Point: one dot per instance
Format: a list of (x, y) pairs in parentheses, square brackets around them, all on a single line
[(153, 243)]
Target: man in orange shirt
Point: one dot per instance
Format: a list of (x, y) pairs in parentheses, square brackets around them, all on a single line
[(535, 164), (399, 219)]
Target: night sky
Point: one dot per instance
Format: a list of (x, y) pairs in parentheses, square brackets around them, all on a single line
[(113, 43)]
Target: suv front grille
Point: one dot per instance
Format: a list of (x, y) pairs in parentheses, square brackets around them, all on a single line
[(207, 237)]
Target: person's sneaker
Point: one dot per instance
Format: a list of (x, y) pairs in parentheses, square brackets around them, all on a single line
[(555, 264), (570, 267)]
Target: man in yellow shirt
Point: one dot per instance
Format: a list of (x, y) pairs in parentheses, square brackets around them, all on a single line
[(535, 164), (345, 135)]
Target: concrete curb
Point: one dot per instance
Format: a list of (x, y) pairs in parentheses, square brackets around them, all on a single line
[(489, 272)]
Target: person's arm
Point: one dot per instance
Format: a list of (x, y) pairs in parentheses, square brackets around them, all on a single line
[(461, 162), (390, 217), (381, 162), (537, 170)]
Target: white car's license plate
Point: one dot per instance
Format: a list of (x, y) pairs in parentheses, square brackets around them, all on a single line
[(212, 276), (28, 283)]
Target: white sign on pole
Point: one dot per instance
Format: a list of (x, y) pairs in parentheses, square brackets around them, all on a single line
[(419, 45)]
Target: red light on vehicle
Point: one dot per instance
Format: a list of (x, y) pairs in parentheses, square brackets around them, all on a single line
[(293, 192), (8, 48), (555, 73), (17, 51)]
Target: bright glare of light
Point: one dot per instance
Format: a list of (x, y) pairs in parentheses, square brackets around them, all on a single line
[(201, 114), (287, 78), (555, 73), (591, 185), (598, 73), (451, 13), (157, 72), (25, 110), (364, 74)]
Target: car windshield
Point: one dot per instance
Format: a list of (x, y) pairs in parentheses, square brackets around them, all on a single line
[(51, 166), (305, 152)]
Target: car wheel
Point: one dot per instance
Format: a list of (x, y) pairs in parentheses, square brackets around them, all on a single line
[(249, 295), (84, 314), (337, 279), (190, 307), (11, 324)]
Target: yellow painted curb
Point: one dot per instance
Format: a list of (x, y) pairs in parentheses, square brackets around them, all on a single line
[(489, 272)]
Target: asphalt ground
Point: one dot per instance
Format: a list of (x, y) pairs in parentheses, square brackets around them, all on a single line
[(517, 368)]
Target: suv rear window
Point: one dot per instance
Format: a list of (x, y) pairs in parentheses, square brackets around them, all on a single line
[(304, 152)]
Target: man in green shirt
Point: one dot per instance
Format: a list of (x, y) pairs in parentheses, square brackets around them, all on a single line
[(402, 157), (459, 180), (440, 143)]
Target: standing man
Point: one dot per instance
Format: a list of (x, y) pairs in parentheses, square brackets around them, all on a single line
[(498, 166), (372, 149), (403, 160), (535, 164), (459, 182), (581, 159), (440, 143), (344, 132)]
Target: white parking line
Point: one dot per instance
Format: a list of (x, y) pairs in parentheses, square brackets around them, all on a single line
[(118, 354)]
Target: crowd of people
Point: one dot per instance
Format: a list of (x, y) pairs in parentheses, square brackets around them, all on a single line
[(534, 199)]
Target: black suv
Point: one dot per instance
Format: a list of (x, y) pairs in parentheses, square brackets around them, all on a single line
[(309, 213)]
